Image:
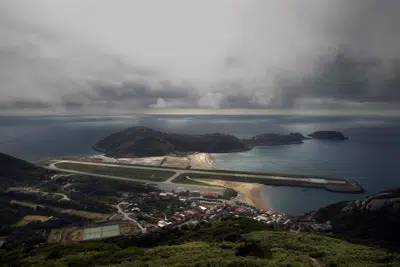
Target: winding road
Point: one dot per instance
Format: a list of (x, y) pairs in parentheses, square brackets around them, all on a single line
[(126, 215)]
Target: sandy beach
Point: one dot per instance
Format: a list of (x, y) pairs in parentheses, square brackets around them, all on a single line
[(201, 161), (250, 193)]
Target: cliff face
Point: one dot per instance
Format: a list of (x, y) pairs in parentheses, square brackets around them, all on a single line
[(328, 135), (375, 217), (145, 142)]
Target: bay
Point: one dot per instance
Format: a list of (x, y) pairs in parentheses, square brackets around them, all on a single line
[(371, 156)]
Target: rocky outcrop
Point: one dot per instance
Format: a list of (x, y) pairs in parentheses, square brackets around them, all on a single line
[(328, 135), (375, 217)]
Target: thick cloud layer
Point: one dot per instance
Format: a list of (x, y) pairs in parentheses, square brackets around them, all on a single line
[(137, 56)]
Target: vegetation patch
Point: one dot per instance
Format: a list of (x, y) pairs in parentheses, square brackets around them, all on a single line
[(88, 215), (229, 193), (209, 244), (84, 214)]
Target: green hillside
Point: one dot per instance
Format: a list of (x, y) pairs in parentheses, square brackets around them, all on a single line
[(233, 242), (17, 172), (141, 141)]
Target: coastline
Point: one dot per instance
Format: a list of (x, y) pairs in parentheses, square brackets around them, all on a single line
[(249, 193)]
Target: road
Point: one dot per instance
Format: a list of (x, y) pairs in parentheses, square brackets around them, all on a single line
[(64, 197), (35, 190), (126, 215), (293, 181), (166, 185), (53, 166), (180, 171)]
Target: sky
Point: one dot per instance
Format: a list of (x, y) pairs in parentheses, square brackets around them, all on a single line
[(195, 57)]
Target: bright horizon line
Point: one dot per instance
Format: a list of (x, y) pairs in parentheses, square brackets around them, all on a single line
[(266, 112)]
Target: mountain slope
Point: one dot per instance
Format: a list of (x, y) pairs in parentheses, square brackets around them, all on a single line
[(375, 217), (222, 243), (16, 172)]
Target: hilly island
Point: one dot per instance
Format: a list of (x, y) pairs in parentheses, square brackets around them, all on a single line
[(142, 141)]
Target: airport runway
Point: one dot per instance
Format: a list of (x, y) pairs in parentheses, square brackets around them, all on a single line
[(337, 185)]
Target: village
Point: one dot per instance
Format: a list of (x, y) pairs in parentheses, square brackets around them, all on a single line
[(143, 209), (175, 209)]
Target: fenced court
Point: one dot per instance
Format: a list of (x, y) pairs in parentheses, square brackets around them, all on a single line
[(101, 232), (78, 234)]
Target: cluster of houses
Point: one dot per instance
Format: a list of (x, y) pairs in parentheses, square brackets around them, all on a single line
[(192, 207), (293, 224), (203, 212), (274, 219)]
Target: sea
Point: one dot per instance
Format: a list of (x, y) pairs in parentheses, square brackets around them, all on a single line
[(371, 156)]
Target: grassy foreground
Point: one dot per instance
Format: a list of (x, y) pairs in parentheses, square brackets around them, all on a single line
[(140, 174), (231, 243)]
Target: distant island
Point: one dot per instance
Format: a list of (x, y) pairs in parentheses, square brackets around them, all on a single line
[(269, 139), (146, 142), (328, 135), (142, 141)]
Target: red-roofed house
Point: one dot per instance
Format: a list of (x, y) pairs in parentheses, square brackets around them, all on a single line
[(212, 195), (176, 218), (191, 212)]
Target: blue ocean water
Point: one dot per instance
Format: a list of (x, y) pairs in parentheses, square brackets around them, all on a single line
[(371, 156)]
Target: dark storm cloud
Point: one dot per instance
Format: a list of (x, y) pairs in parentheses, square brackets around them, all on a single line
[(139, 90), (365, 65), (291, 54), (346, 77)]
